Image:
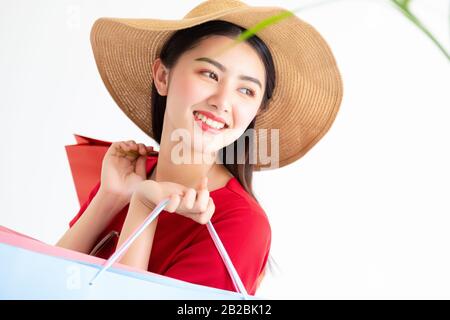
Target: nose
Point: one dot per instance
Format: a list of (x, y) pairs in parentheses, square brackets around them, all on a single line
[(220, 99)]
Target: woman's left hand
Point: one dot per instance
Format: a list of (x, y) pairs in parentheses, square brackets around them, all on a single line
[(195, 204)]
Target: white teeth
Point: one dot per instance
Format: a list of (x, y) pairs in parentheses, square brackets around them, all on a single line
[(209, 122)]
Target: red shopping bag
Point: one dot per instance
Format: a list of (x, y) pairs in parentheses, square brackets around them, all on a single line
[(85, 160)]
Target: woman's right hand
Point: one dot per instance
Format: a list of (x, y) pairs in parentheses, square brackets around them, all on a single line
[(122, 172), (195, 204)]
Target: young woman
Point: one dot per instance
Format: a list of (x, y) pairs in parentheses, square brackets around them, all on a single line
[(197, 92)]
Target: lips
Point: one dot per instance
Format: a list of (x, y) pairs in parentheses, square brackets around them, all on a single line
[(212, 117), (205, 127)]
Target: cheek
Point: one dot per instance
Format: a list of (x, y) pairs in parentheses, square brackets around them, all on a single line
[(188, 90), (241, 120), (242, 117)]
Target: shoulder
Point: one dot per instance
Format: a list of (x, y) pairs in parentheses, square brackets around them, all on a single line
[(236, 197), (239, 212)]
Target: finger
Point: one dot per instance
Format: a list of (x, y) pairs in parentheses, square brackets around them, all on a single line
[(121, 149), (188, 200), (206, 216), (140, 167), (128, 151), (124, 146), (133, 145), (174, 203), (204, 183), (142, 150), (202, 200)]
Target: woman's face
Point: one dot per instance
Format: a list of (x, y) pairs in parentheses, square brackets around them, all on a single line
[(229, 86)]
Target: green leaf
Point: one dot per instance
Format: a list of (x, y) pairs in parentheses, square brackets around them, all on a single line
[(402, 5)]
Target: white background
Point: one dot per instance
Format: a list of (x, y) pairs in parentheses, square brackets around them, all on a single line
[(365, 214)]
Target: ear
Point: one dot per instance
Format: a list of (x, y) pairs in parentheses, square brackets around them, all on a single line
[(160, 77)]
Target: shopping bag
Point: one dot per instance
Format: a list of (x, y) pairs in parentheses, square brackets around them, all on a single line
[(31, 269), (85, 160)]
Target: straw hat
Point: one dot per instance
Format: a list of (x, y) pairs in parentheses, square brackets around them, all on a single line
[(308, 88)]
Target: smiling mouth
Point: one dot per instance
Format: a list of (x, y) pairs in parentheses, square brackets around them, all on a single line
[(211, 124)]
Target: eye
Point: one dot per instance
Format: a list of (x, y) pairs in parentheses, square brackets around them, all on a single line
[(251, 92), (207, 71), (213, 75)]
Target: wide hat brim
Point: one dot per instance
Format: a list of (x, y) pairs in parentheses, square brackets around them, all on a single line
[(308, 89)]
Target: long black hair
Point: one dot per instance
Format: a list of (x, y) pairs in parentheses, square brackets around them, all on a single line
[(186, 39)]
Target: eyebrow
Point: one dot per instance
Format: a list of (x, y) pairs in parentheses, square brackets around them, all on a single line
[(223, 69)]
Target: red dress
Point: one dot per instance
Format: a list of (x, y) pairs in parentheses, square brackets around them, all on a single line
[(184, 249)]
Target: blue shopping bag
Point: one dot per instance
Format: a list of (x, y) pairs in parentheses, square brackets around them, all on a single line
[(31, 269)]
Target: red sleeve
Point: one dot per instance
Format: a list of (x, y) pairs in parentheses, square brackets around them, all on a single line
[(85, 204), (246, 235)]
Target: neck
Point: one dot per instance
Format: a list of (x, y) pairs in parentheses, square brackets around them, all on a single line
[(188, 173)]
